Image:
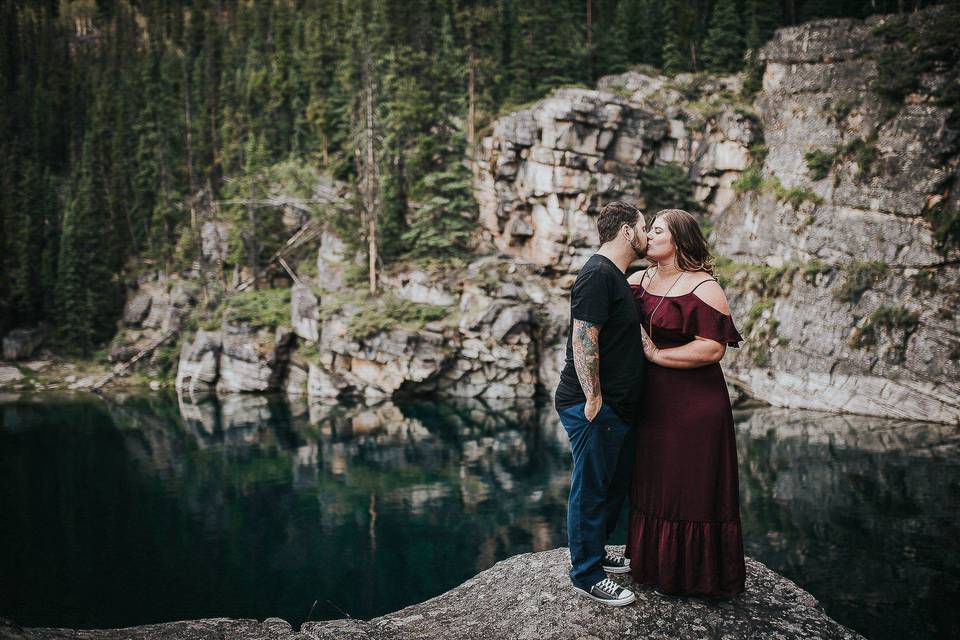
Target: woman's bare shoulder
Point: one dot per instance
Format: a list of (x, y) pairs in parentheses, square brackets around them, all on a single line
[(710, 291)]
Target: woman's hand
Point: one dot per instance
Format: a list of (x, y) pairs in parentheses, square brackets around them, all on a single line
[(649, 349)]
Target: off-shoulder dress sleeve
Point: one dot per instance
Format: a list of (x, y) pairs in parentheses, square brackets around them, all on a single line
[(700, 319)]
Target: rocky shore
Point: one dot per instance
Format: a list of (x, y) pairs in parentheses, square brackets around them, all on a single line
[(524, 597)]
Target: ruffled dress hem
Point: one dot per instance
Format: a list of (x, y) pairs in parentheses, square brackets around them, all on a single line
[(682, 557)]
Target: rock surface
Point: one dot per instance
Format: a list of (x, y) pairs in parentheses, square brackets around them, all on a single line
[(21, 343), (889, 346), (528, 596), (546, 171)]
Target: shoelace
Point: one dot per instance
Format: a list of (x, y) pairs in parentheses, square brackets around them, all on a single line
[(609, 586), (614, 560)]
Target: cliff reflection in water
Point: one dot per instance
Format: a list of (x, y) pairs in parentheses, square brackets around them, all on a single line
[(153, 508)]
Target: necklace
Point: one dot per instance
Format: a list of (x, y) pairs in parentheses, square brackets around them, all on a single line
[(662, 298)]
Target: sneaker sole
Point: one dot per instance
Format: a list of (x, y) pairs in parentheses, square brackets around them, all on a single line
[(613, 603), (617, 569)]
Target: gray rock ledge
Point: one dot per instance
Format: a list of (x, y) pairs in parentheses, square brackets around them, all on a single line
[(525, 597)]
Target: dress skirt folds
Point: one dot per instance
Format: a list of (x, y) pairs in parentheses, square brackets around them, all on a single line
[(685, 536)]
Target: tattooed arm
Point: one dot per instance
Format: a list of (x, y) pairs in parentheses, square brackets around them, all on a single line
[(586, 360)]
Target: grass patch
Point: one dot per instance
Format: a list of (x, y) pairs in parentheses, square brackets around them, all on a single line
[(858, 278), (752, 181), (945, 224), (369, 315), (819, 162), (758, 154), (258, 308), (840, 108), (794, 196), (889, 318), (813, 269)]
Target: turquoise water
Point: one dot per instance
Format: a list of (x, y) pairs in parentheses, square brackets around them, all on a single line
[(142, 508)]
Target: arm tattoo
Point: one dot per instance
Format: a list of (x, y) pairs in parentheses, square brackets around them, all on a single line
[(586, 356)]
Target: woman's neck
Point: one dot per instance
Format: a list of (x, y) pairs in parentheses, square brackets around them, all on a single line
[(667, 269)]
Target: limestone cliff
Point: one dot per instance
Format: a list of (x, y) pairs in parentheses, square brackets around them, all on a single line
[(829, 202), (849, 298)]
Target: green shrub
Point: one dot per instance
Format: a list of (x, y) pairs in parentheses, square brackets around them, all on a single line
[(390, 312), (794, 196), (819, 162), (909, 54), (813, 268), (839, 109), (259, 307), (749, 181), (945, 224), (758, 154), (858, 277), (889, 318), (863, 152), (369, 315)]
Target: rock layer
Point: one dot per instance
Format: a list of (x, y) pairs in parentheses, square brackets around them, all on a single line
[(858, 309)]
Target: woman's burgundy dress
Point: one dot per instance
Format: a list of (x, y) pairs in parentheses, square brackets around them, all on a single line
[(684, 535)]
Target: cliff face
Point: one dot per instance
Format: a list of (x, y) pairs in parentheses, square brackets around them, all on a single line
[(855, 308), (528, 596), (545, 172), (824, 195)]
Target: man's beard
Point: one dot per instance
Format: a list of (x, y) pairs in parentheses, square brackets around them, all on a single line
[(637, 249)]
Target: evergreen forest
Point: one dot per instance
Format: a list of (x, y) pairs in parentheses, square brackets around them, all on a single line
[(120, 120)]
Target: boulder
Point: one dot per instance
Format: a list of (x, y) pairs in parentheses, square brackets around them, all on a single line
[(9, 375), (528, 596), (304, 313), (21, 343), (199, 366), (253, 359), (213, 241)]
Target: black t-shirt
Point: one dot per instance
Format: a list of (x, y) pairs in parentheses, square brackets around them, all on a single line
[(601, 295)]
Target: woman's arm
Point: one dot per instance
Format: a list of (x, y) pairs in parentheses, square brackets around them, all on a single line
[(696, 353)]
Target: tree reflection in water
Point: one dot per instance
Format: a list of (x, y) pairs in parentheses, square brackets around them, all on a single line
[(152, 508)]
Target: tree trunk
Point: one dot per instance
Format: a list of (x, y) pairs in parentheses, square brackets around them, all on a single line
[(370, 179)]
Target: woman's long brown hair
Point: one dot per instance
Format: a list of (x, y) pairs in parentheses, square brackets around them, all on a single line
[(693, 252)]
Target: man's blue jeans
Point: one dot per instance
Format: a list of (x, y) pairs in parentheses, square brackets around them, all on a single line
[(602, 465)]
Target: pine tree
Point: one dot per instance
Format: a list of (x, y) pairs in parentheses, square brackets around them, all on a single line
[(723, 47), (677, 38), (444, 207)]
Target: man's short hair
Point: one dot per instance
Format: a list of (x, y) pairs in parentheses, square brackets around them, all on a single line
[(613, 216)]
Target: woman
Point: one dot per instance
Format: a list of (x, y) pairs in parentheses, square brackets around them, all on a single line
[(685, 536)]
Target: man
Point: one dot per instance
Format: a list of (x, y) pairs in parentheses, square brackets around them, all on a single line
[(599, 385)]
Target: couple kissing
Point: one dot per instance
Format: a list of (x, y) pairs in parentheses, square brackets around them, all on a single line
[(644, 403)]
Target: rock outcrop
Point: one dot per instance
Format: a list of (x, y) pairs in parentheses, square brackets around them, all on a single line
[(546, 171), (848, 299), (20, 344), (528, 596)]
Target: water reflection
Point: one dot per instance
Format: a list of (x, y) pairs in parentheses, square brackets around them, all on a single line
[(151, 508), (860, 511)]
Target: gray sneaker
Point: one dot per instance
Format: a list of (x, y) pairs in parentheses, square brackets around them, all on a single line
[(612, 563), (608, 592)]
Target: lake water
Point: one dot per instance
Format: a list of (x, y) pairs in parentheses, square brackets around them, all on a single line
[(142, 508)]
